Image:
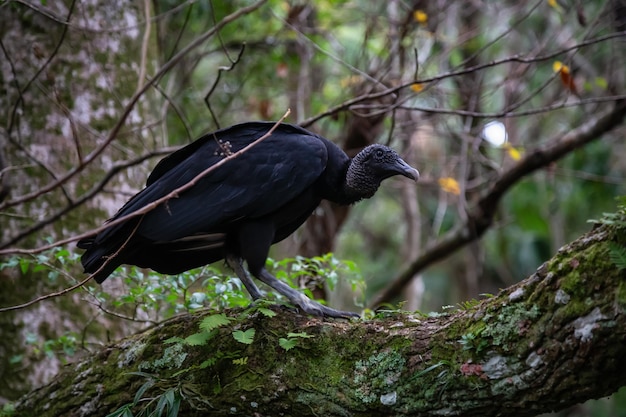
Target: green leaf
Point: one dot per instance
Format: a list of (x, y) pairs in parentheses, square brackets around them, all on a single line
[(124, 411), (208, 362), (7, 410), (287, 344), (142, 390), (601, 82), (617, 254), (24, 265), (174, 339), (170, 396), (165, 402), (241, 361), (16, 359), (430, 368), (245, 337), (266, 312), (174, 407), (213, 322), (302, 335), (198, 339)]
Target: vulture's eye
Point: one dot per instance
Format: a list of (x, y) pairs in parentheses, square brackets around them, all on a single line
[(379, 153)]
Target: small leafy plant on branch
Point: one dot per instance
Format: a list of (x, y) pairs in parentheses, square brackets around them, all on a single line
[(617, 250)]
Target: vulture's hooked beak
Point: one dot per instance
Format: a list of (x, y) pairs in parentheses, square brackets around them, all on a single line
[(406, 170)]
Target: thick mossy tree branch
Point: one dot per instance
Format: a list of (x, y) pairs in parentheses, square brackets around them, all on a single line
[(556, 339)]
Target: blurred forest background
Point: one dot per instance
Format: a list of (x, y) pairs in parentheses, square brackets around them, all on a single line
[(94, 93)]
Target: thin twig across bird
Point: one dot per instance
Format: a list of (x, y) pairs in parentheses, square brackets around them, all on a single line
[(240, 209)]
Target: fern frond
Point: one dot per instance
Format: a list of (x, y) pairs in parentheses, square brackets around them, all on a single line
[(617, 254)]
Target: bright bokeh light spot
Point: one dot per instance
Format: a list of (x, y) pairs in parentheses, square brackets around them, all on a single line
[(495, 133)]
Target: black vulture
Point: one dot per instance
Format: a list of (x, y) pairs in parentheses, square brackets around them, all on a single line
[(240, 209)]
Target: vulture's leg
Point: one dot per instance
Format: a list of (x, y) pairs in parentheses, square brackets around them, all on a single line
[(236, 263), (255, 240), (305, 303)]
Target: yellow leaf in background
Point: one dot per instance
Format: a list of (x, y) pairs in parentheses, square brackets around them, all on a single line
[(417, 87), (557, 66), (513, 152), (555, 5), (566, 76), (420, 16), (450, 185), (350, 81)]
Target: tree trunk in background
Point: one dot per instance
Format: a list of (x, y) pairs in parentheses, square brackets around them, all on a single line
[(551, 341), (470, 90), (64, 83)]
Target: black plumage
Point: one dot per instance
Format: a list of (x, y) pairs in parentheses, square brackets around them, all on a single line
[(240, 209)]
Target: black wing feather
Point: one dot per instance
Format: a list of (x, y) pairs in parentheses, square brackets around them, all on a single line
[(250, 186)]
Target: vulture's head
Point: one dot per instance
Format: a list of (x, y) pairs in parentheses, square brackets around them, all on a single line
[(371, 166)]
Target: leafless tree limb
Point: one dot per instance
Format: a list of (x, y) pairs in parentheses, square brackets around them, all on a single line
[(346, 105), (493, 115), (20, 98), (40, 8), (73, 204), (220, 70), (77, 285)]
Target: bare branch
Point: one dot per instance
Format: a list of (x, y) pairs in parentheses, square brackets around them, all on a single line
[(233, 64), (144, 45), (346, 105), (505, 114), (75, 286), (50, 14), (20, 98), (73, 204), (46, 297)]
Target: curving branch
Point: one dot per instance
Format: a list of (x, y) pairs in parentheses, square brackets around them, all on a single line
[(480, 217), (73, 204), (220, 70), (392, 91), (49, 60), (554, 340)]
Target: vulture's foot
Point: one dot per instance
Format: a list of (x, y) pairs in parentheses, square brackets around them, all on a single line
[(302, 301), (316, 309)]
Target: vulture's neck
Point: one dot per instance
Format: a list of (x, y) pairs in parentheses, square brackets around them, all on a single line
[(359, 182)]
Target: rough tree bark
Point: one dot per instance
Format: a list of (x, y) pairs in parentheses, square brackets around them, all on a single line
[(553, 340), (64, 79)]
